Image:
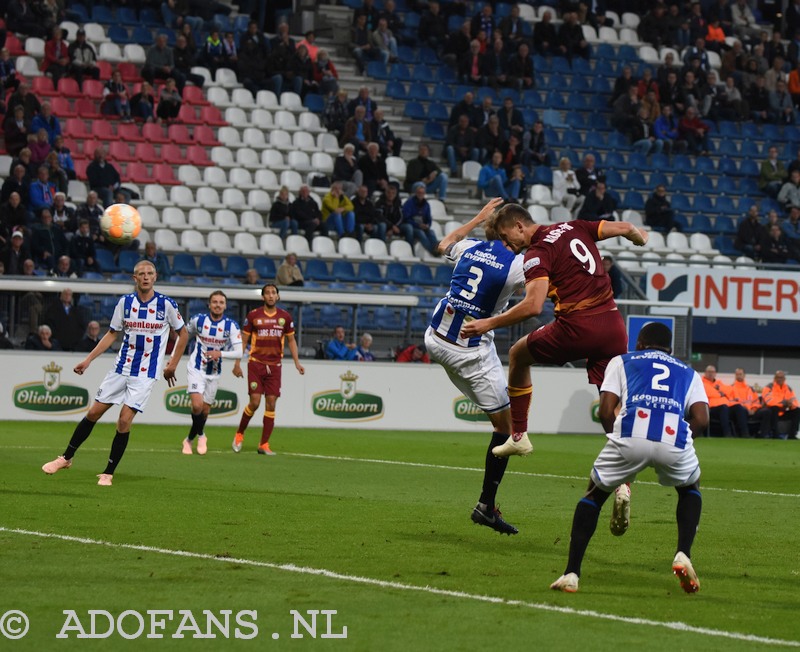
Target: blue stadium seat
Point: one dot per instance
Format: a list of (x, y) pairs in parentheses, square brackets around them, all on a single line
[(369, 272), (127, 16), (724, 244), (560, 64), (127, 259), (682, 222), (725, 224), (529, 116), (543, 175), (397, 273), (606, 52), (615, 160), (265, 267), (579, 84), (705, 165), (418, 91), (572, 139), (728, 165), (681, 203), (726, 206), (119, 34), (703, 204), (240, 23), (366, 319), (422, 275), (317, 270), (532, 99), (749, 168), (332, 314), (750, 149), (443, 275), (443, 93), (577, 101), (309, 317), (142, 36), (556, 100), (628, 53), (633, 201), (769, 204), (729, 130), (727, 186), (682, 162), (343, 271), (211, 265), (433, 130), (236, 266), (614, 179), (429, 57), (552, 118), (396, 90), (223, 22), (751, 131), (378, 70), (484, 92), (78, 13), (93, 276), (121, 276), (575, 119), (617, 141), (203, 280), (411, 19), (595, 140), (184, 264), (414, 110), (558, 82), (424, 74), (446, 75), (407, 54), (636, 180), (106, 261), (107, 307), (338, 286), (402, 72), (229, 280), (102, 14), (658, 179), (314, 102), (703, 183), (637, 161), (748, 186), (701, 223), (728, 148), (389, 319), (660, 162), (438, 111)]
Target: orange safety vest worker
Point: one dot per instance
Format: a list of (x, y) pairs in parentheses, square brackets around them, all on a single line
[(775, 395), (718, 392), (743, 394)]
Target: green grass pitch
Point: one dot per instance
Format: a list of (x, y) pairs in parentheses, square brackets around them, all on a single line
[(393, 507)]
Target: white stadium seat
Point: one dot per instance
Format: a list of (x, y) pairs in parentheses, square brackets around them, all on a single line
[(174, 218), (200, 220), (259, 200), (166, 240), (272, 245), (220, 242), (243, 98), (241, 178), (192, 241), (291, 101), (267, 100), (246, 244), (262, 119), (234, 198), (299, 245), (252, 222), (233, 114), (226, 220), (215, 177), (208, 198)]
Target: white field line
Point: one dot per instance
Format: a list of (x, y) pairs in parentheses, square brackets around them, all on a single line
[(356, 579), (423, 465)]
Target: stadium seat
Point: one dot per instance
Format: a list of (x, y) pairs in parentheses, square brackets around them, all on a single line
[(376, 249), (220, 242), (397, 273), (422, 275), (342, 270), (701, 223), (184, 264), (369, 272), (211, 265), (317, 270)]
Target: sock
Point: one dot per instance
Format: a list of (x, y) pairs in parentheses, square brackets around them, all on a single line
[(118, 447), (269, 424), (520, 406), (584, 523), (494, 470), (198, 422), (690, 504), (246, 416), (80, 434)]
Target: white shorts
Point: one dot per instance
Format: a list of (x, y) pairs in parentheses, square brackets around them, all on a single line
[(621, 459), (200, 383), (133, 391), (476, 371)]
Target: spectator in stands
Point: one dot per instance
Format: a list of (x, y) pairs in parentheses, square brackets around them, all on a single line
[(625, 112), (393, 20), (230, 52), (160, 63), (68, 322), (92, 211), (460, 145), (143, 103), (213, 55), (324, 74), (758, 99), (588, 175), (176, 14), (47, 121), (361, 45), (16, 183), (789, 194), (357, 130), (658, 213), (49, 242), (82, 249), (775, 246), (299, 75), (388, 143), (373, 169), (719, 396), (251, 277), (536, 151), (39, 146), (466, 106), (103, 177), (511, 120), (279, 217), (31, 169), (617, 284), (666, 130), (309, 41), (483, 21), (772, 175), (663, 72), (792, 18), (42, 191), (21, 17), (513, 28), (289, 272), (184, 57), (63, 215), (781, 403), (734, 62), (5, 343), (643, 135), (8, 70), (363, 352), (384, 41), (63, 268), (363, 99), (56, 56), (335, 115), (472, 67), (566, 187), (598, 205), (15, 253), (369, 221), (424, 169), (417, 219), (13, 215), (623, 84), (337, 211), (414, 353), (159, 260), (391, 211), (115, 97), (433, 27), (82, 59), (16, 131), (368, 10), (252, 71), (42, 340), (457, 43), (671, 93), (545, 37), (90, 338), (694, 131), (346, 169), (489, 139), (570, 38), (337, 348), (654, 27), (306, 212), (750, 402), (791, 229), (744, 22), (775, 74), (30, 103), (651, 105), (713, 102), (781, 105), (750, 235), (494, 182), (734, 101), (169, 102)]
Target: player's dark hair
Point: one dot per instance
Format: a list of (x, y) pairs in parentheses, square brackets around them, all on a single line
[(271, 285), (655, 335), (509, 214), (217, 293)]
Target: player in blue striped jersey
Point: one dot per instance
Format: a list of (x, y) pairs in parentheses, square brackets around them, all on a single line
[(145, 318), (216, 337), (661, 403), (485, 276)]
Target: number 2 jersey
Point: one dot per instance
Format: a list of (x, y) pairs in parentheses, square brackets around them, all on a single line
[(145, 326), (265, 334), (655, 391), (485, 276), (566, 255), (223, 335)]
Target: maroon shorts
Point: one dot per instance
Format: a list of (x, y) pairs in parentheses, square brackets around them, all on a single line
[(598, 338), (263, 379)]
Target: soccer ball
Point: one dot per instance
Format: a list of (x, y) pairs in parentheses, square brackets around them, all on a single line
[(120, 223)]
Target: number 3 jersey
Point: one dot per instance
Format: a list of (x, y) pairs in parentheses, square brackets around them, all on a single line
[(486, 274), (566, 255), (655, 391)]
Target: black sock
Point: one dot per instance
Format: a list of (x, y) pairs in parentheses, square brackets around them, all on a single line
[(118, 447), (494, 470), (198, 423), (81, 433), (584, 523), (690, 504)]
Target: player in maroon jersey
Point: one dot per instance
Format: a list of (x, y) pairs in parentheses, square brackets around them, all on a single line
[(561, 262), (265, 330)]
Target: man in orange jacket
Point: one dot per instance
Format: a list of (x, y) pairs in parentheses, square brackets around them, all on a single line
[(745, 401), (780, 402), (719, 399)]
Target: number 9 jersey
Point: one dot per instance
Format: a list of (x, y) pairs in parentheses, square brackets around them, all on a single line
[(485, 277)]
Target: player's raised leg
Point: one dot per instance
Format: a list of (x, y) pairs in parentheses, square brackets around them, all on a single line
[(79, 435), (520, 391)]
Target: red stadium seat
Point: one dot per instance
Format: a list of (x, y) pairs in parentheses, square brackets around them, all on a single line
[(171, 153), (89, 146), (154, 133), (14, 45), (103, 130), (194, 95), (43, 86), (73, 146), (180, 134), (61, 108), (120, 151), (197, 155), (187, 115), (205, 135), (68, 87), (87, 108), (129, 72), (210, 115), (146, 153), (105, 70), (129, 132), (76, 128), (93, 88), (80, 167), (137, 172), (164, 174)]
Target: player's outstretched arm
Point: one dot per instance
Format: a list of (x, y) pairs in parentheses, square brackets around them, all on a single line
[(625, 229), (295, 355), (101, 347), (177, 352), (463, 231), (530, 306)]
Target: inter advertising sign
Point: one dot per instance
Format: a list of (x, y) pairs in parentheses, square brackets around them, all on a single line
[(466, 410), (51, 395), (178, 401), (741, 294), (346, 403)]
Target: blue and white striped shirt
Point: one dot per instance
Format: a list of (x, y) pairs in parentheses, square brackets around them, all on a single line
[(210, 335)]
